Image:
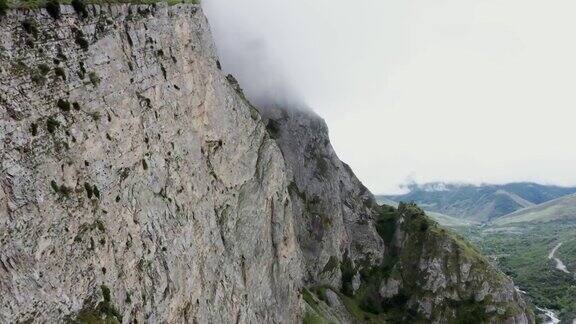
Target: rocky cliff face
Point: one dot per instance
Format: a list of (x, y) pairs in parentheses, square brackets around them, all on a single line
[(139, 184), (369, 263), (156, 182)]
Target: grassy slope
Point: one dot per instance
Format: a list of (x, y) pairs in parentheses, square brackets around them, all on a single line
[(567, 252), (480, 203), (449, 221), (442, 219), (519, 243), (522, 252), (427, 241), (563, 208)]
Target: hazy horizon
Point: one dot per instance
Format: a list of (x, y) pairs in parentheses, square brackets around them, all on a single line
[(446, 90), (442, 185)]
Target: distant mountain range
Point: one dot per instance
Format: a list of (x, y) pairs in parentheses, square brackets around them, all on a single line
[(560, 209), (518, 226), (478, 203)]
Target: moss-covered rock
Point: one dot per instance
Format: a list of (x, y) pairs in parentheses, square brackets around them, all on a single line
[(429, 274)]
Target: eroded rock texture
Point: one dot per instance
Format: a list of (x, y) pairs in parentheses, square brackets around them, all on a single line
[(139, 184), (369, 263), (157, 180)]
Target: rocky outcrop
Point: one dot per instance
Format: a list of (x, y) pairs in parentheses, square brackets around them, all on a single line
[(137, 183), (334, 211), (383, 263), (136, 172)]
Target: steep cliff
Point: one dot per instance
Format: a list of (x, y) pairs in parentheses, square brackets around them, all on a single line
[(138, 170), (364, 262), (139, 184)]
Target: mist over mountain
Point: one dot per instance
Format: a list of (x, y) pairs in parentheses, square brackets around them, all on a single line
[(245, 51), (429, 75)]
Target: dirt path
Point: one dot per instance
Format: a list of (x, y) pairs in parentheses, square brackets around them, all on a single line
[(559, 264)]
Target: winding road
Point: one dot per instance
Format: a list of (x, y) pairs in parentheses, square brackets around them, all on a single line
[(552, 317), (559, 264)]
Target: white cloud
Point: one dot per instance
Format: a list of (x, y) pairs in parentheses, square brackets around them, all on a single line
[(453, 90)]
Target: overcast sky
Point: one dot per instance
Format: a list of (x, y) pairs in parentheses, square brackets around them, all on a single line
[(424, 90)]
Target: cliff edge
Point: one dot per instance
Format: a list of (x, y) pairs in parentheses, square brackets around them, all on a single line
[(139, 184)]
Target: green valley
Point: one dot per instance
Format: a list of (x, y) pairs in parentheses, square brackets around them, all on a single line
[(535, 244), (522, 251)]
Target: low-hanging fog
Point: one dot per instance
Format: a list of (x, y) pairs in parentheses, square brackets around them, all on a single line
[(423, 90)]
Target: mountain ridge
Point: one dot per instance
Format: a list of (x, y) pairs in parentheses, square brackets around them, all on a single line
[(559, 209), (140, 184), (480, 202)]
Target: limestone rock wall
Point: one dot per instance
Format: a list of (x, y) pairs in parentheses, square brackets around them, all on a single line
[(334, 210)]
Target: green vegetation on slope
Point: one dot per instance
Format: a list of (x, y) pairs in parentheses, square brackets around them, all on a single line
[(479, 202), (442, 219), (519, 243), (567, 253), (522, 252), (103, 313), (425, 242), (563, 208), (3, 7), (450, 221)]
